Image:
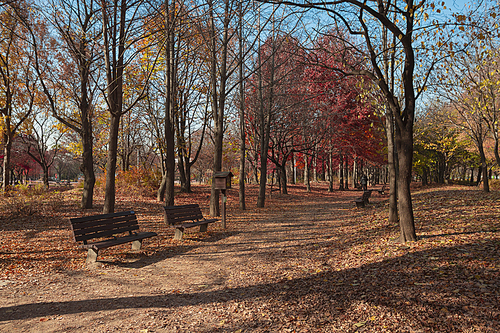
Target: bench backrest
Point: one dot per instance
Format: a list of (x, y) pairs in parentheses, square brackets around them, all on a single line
[(104, 225), (178, 214)]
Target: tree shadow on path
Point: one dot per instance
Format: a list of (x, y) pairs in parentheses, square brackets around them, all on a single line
[(432, 290)]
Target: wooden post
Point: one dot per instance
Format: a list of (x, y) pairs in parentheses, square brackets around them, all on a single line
[(224, 199)]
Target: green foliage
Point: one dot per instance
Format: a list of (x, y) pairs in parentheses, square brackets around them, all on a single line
[(438, 146)]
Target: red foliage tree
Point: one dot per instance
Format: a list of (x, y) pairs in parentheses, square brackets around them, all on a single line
[(354, 130)]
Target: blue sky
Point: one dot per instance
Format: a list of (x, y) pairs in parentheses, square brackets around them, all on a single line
[(457, 5)]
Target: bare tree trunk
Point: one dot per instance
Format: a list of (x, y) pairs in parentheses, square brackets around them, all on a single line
[(87, 166), (6, 163), (265, 129), (282, 175), (265, 132), (404, 143), (346, 173), (241, 180), (160, 195), (497, 155), (393, 169), (109, 197), (354, 172), (170, 105), (114, 39), (307, 178), (330, 172), (218, 66), (484, 168), (341, 172)]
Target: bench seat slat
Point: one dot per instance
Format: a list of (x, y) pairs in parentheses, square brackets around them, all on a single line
[(103, 234), (101, 216), (99, 222), (192, 215), (108, 224), (132, 224), (194, 224), (121, 240)]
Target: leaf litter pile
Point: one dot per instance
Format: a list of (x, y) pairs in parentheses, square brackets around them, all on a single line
[(308, 262)]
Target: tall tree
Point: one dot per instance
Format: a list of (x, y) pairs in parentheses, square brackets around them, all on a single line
[(17, 77), (122, 23), (74, 76), (220, 35)]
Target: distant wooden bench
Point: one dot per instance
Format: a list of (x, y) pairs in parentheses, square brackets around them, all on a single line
[(364, 199), (177, 215), (107, 230), (382, 190)]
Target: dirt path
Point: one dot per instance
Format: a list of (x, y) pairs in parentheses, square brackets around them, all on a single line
[(200, 290)]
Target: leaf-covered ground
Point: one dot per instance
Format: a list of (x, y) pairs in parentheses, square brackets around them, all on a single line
[(308, 262)]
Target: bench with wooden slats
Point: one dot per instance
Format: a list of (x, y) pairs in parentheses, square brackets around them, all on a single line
[(106, 230), (177, 215), (382, 190), (364, 199)]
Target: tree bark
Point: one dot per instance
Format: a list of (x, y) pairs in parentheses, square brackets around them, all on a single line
[(307, 178), (218, 66), (87, 166), (341, 172), (484, 168), (110, 195), (160, 194), (393, 169), (282, 175), (6, 162), (346, 173), (330, 172), (241, 180), (404, 143)]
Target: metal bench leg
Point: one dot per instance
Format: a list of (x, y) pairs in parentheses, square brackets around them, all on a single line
[(178, 233), (92, 256), (203, 227), (136, 245)]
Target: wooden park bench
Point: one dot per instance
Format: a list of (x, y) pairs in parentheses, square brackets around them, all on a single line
[(382, 190), (364, 199), (107, 230), (178, 215)]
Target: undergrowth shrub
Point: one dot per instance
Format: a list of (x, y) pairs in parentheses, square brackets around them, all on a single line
[(30, 190), (494, 184), (19, 205), (25, 200), (134, 182)]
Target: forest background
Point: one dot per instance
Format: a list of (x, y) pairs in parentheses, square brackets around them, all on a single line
[(160, 93)]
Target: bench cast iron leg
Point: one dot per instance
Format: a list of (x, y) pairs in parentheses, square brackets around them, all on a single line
[(203, 227), (178, 233), (136, 245), (92, 256)]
